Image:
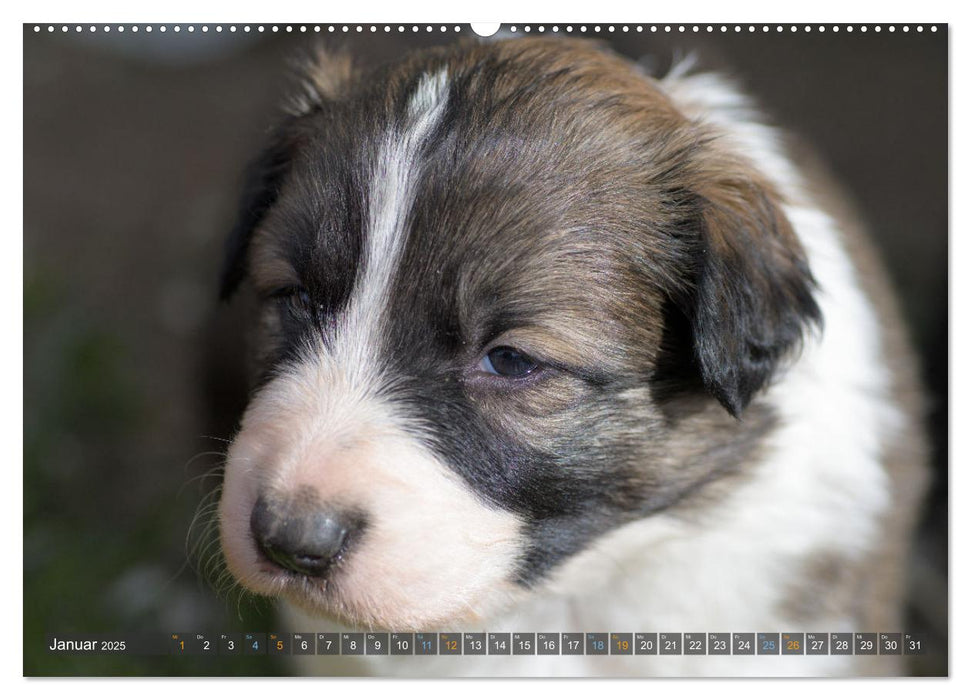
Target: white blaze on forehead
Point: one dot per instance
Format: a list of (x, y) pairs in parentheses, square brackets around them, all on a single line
[(395, 174)]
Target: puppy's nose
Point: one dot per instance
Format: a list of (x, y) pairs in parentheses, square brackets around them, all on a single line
[(300, 534)]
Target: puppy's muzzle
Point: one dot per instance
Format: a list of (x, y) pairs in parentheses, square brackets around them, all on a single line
[(302, 535)]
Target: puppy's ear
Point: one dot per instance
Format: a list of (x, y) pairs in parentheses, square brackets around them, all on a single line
[(262, 181), (323, 76), (753, 296)]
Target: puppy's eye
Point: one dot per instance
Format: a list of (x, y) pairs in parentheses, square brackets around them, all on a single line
[(507, 362), (294, 299)]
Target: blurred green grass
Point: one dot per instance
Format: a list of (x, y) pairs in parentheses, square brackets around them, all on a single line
[(101, 556)]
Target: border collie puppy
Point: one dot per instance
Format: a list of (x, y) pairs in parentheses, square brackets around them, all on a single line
[(548, 345)]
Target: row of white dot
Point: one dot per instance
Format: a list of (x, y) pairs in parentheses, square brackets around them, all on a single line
[(540, 29)]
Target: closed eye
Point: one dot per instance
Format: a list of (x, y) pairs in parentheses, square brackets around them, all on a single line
[(293, 299)]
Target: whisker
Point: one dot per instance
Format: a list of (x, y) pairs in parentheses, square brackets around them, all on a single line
[(218, 439)]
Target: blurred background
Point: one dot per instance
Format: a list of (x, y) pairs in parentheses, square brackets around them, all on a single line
[(134, 144)]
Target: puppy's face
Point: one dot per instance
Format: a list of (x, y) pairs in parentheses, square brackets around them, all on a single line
[(511, 299)]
